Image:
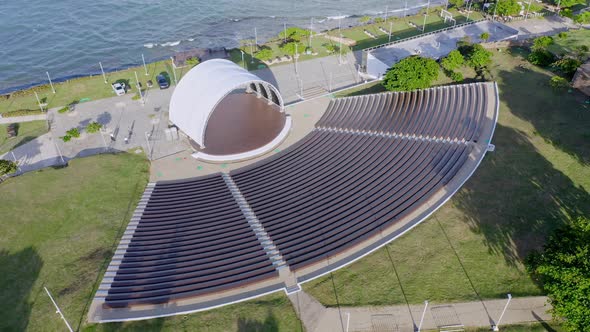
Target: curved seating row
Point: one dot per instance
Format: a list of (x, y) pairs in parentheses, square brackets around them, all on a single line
[(192, 239), (449, 112)]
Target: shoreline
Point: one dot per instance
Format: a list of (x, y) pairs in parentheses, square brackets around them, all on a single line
[(352, 24)]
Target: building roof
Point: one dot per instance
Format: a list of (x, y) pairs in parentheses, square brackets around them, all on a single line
[(200, 91)]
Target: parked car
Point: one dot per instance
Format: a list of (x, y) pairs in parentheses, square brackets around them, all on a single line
[(162, 81), (119, 88)]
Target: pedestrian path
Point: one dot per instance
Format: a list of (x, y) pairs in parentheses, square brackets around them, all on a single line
[(39, 153), (26, 118), (437, 316)]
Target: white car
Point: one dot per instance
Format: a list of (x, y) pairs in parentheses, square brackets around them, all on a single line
[(119, 88)]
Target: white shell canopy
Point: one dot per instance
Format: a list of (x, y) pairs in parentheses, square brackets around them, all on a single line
[(200, 91)]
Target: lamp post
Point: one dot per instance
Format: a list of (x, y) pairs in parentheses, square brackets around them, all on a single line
[(39, 102), (243, 62), (144, 66), (50, 83), (102, 71), (390, 28), (139, 89), (422, 318), (496, 326), (174, 71)]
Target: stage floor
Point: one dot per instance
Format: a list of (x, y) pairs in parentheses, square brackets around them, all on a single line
[(240, 123)]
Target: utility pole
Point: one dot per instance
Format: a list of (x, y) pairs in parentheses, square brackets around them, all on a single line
[(144, 66), (50, 83), (102, 71)]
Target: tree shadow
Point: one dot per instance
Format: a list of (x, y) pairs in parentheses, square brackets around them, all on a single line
[(560, 117), (270, 324), (18, 273), (517, 198), (152, 325)]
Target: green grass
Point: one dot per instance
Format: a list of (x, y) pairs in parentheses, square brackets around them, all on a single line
[(568, 45), (533, 327), (90, 88), (59, 229), (474, 246), (27, 131)]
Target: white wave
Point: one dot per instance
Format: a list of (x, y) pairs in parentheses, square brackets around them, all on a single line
[(174, 43), (149, 45), (191, 39), (340, 17), (272, 16), (234, 19)]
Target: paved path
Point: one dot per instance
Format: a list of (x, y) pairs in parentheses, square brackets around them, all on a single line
[(19, 119), (37, 154), (315, 317)]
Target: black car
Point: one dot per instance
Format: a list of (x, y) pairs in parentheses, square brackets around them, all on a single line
[(162, 82)]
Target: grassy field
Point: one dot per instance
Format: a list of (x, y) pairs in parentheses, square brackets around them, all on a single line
[(573, 40), (473, 247), (27, 131), (89, 88), (59, 229)]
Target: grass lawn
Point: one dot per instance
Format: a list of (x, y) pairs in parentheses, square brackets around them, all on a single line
[(59, 229), (27, 131), (568, 45), (474, 246), (534, 327), (89, 88)]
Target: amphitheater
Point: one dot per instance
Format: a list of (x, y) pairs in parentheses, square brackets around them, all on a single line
[(372, 168)]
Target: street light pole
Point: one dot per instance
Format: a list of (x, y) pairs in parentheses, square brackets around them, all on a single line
[(425, 16), (422, 318), (310, 31), (390, 28), (296, 56), (243, 62), (495, 8), (285, 33), (139, 89), (39, 102), (256, 38), (174, 71), (496, 326), (50, 83), (102, 71), (469, 10), (144, 66)]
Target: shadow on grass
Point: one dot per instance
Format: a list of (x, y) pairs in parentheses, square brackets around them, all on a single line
[(517, 197), (270, 324), (559, 117), (18, 273)]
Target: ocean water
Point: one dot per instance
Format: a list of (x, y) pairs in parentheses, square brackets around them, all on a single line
[(69, 37)]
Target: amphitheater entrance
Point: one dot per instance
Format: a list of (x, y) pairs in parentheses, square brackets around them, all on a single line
[(228, 113)]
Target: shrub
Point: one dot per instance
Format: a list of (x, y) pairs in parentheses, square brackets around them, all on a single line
[(66, 138), (7, 167), (294, 34), (457, 3), (456, 76), (563, 269), (541, 43), (452, 61), (292, 47), (541, 58), (484, 36), (557, 82), (568, 3), (192, 61), (582, 18), (411, 73), (365, 19), (379, 20), (506, 8), (264, 54), (64, 109), (93, 127), (21, 112), (74, 132), (562, 35), (568, 66)]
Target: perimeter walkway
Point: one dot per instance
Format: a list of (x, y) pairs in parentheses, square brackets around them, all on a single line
[(20, 119), (446, 316)]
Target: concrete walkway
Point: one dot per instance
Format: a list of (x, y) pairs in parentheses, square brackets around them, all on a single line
[(19, 119), (448, 316), (34, 155)]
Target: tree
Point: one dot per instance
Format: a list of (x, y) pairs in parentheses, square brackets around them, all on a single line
[(411, 73), (74, 132), (541, 58), (457, 3), (541, 43), (292, 48), (563, 269), (567, 66), (479, 57), (93, 127), (264, 54), (582, 18), (294, 34), (7, 167), (484, 36), (506, 8), (452, 61)]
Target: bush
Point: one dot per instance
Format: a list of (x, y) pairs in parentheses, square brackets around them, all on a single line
[(66, 138), (63, 110), (7, 167), (411, 73), (541, 58), (21, 112), (568, 66), (558, 83), (541, 43), (484, 36), (74, 132), (365, 19), (294, 34), (456, 76), (452, 61), (563, 268), (479, 57), (264, 54), (562, 35), (582, 18), (93, 127), (292, 47), (192, 61), (379, 20), (506, 8)]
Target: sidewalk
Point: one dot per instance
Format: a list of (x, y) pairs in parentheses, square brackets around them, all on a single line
[(26, 118), (451, 316)]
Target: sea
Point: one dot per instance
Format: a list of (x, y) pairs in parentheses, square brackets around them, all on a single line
[(68, 38)]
